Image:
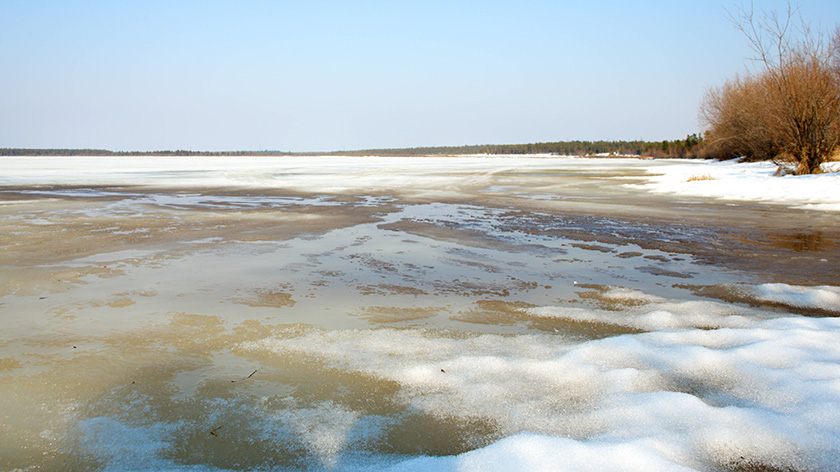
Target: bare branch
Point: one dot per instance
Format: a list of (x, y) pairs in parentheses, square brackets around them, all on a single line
[(788, 106)]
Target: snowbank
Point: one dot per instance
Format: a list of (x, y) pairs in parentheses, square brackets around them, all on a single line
[(754, 181)]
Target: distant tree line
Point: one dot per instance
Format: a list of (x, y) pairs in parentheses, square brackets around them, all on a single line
[(689, 147)]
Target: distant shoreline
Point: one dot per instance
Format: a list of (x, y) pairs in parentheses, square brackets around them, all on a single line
[(686, 148), (360, 155)]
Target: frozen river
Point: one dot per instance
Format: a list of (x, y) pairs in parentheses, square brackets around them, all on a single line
[(402, 314)]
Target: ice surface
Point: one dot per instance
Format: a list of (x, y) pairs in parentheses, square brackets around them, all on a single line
[(730, 180), (428, 176), (701, 385)]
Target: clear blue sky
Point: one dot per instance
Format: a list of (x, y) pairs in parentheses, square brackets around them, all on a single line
[(329, 75)]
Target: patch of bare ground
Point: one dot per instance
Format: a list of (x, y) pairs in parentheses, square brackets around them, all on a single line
[(393, 314), (476, 264), (470, 288), (390, 289), (494, 312), (659, 271), (594, 247), (267, 298), (506, 313), (70, 309)]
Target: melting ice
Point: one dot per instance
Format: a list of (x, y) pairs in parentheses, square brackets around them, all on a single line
[(458, 314)]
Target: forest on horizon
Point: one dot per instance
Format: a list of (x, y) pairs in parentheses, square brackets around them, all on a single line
[(691, 146)]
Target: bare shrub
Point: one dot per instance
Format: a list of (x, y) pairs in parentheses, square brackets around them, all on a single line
[(788, 107), (735, 114), (699, 178)]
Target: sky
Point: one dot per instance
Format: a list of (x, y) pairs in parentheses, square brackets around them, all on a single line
[(329, 75)]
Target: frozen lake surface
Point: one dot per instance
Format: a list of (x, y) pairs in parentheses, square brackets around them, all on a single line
[(413, 314)]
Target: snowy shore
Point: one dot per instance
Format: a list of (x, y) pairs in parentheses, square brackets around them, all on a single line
[(754, 181)]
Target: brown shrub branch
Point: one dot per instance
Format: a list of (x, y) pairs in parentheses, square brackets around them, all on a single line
[(788, 107)]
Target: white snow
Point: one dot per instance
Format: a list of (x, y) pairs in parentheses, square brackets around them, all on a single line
[(669, 400), (767, 394), (755, 182), (533, 452), (822, 297), (763, 394), (658, 315), (313, 174)]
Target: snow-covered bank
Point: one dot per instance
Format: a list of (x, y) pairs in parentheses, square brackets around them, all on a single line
[(753, 181)]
